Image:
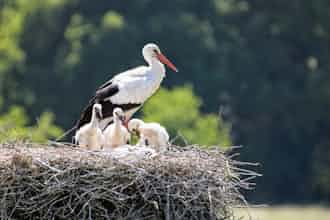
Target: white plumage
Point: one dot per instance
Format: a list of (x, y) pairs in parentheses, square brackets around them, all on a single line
[(137, 85), (90, 135), (151, 134), (130, 89), (116, 134)]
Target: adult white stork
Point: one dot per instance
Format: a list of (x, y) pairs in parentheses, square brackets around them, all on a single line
[(130, 89)]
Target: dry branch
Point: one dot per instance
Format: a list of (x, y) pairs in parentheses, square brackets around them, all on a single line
[(62, 182)]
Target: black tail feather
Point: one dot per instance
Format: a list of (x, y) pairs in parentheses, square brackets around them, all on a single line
[(66, 133), (86, 115)]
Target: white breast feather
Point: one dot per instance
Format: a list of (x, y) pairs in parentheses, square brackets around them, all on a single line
[(115, 138), (136, 85), (156, 135), (90, 137)]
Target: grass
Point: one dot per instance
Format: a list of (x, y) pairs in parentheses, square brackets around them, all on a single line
[(286, 213)]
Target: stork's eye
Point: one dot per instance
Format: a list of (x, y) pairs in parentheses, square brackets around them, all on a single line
[(155, 51)]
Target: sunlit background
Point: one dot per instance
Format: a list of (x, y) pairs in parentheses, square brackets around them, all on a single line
[(251, 72)]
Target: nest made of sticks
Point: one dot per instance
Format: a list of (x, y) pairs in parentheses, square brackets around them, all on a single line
[(62, 182)]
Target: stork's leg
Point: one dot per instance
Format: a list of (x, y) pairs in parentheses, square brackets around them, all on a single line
[(126, 122)]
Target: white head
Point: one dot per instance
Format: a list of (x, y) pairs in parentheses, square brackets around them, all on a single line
[(134, 125), (118, 114), (97, 111), (152, 52)]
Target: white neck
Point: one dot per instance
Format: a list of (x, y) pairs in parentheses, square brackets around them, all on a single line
[(94, 120), (116, 121), (157, 68)]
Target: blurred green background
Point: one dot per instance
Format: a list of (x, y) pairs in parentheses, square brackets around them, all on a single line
[(263, 66)]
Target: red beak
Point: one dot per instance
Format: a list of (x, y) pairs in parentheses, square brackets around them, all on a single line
[(166, 61)]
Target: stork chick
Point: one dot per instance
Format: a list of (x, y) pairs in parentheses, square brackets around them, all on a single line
[(151, 134), (117, 134), (90, 135)]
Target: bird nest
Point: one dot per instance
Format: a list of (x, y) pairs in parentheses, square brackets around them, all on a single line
[(58, 181)]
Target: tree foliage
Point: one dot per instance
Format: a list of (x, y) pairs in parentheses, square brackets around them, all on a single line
[(179, 111), (14, 125)]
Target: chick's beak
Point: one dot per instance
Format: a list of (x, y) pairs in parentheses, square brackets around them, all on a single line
[(122, 118)]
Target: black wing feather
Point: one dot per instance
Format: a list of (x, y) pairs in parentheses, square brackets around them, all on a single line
[(107, 83), (86, 114), (105, 91)]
